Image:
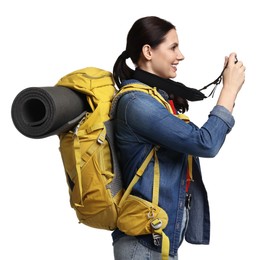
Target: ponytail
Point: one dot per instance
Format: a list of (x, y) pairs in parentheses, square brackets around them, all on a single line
[(121, 71)]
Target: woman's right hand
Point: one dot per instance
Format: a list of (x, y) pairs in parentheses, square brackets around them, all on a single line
[(233, 79)]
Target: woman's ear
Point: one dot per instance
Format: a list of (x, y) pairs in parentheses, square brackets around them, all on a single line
[(146, 51)]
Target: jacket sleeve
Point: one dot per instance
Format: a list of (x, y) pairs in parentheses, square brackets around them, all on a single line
[(151, 122)]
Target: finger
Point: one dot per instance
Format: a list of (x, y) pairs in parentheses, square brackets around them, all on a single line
[(233, 58)]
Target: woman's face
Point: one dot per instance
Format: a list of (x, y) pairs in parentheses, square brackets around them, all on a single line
[(163, 59)]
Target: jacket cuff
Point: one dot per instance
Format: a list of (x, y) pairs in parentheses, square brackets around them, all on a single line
[(224, 114)]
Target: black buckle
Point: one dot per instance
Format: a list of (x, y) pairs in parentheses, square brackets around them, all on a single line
[(188, 201)]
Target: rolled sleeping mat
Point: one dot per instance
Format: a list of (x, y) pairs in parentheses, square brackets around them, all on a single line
[(39, 112)]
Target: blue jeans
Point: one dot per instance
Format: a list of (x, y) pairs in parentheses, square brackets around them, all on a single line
[(128, 248)]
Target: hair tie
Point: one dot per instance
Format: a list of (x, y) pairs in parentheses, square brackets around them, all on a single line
[(124, 55)]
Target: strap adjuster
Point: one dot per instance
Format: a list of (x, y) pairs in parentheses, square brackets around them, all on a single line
[(156, 223)]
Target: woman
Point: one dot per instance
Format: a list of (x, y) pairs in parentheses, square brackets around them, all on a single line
[(141, 122)]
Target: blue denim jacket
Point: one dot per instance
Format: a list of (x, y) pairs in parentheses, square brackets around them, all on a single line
[(142, 122)]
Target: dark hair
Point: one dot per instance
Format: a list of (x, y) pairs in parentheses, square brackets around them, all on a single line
[(147, 30)]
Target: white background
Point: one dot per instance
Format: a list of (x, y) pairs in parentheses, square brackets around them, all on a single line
[(42, 41)]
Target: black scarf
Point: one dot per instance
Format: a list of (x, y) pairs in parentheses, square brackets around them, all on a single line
[(169, 86)]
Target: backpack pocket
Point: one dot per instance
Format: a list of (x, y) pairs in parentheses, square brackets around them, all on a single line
[(138, 217)]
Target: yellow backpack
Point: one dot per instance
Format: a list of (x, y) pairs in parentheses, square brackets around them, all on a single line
[(89, 158), (91, 163)]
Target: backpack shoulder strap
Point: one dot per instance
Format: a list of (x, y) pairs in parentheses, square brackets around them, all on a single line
[(137, 176), (142, 88)]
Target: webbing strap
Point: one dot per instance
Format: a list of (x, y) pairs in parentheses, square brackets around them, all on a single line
[(156, 184), (78, 168), (165, 247), (183, 117), (94, 127), (165, 244), (137, 176)]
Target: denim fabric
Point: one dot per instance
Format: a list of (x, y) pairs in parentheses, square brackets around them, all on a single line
[(129, 248), (141, 122)]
